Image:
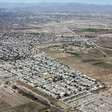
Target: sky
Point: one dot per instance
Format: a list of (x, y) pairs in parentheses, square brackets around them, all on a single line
[(67, 1)]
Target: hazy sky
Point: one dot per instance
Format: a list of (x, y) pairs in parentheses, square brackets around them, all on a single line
[(77, 1)]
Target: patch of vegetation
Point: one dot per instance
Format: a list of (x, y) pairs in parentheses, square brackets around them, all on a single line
[(76, 55), (89, 46), (37, 34), (93, 30), (89, 30), (89, 60), (104, 65)]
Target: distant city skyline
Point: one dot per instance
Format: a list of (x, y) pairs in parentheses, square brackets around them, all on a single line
[(105, 2)]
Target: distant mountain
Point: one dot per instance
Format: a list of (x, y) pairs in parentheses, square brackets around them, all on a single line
[(63, 7)]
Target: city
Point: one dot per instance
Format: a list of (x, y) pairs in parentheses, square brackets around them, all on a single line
[(55, 58)]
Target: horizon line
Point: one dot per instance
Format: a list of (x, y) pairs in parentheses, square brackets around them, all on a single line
[(9, 2)]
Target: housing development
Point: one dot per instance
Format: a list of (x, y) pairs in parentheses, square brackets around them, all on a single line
[(55, 60)]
